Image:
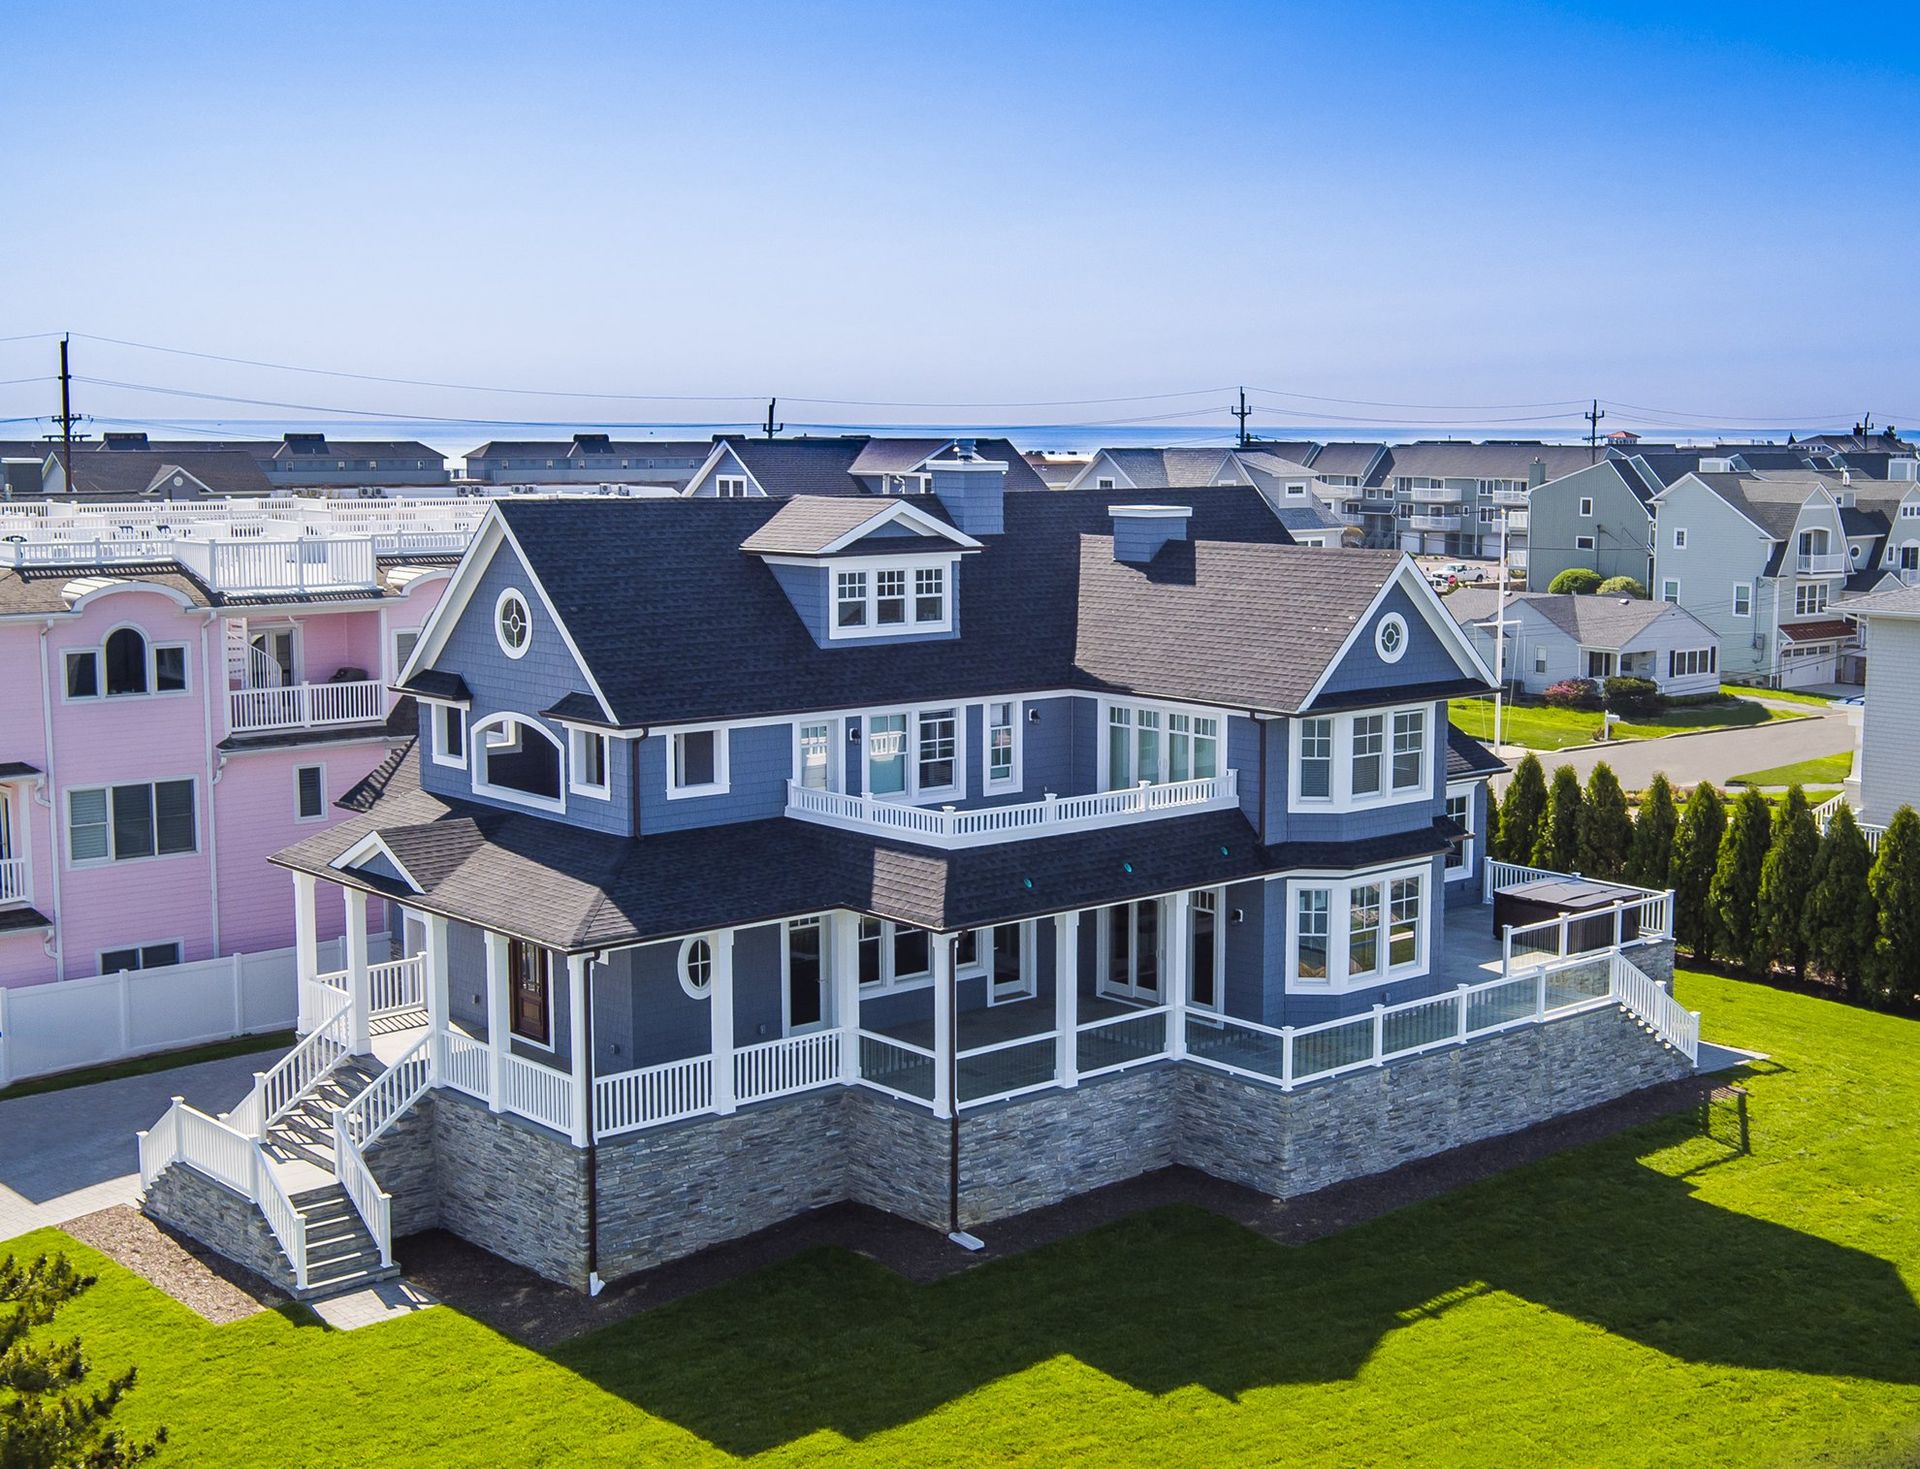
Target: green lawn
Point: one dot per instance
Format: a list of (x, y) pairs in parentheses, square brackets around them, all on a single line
[(1539, 727), (1785, 696), (1658, 1298), (1822, 769)]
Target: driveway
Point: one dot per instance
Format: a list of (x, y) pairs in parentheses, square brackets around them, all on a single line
[(1715, 756), (68, 1153)]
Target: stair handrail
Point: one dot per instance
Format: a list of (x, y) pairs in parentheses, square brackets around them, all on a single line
[(373, 1203), (294, 1077), (187, 1135), (1645, 997), (388, 1096)]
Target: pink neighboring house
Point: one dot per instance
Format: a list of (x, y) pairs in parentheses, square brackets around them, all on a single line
[(160, 737)]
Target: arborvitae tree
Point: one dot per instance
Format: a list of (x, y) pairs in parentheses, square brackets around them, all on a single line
[(1734, 896), (1606, 830), (46, 1420), (1895, 884), (1696, 846), (1490, 827), (1786, 881), (1651, 852), (1557, 846), (1522, 810), (1842, 921)]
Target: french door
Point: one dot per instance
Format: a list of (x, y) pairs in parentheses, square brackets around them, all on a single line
[(805, 1000), (1131, 961), (530, 992), (1011, 975)]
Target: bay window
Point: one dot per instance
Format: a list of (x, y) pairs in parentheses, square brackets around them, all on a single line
[(1367, 738), (1343, 762), (1352, 932), (1409, 749), (1316, 759)]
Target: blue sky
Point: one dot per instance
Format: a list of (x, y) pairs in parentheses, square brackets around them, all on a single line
[(1475, 205)]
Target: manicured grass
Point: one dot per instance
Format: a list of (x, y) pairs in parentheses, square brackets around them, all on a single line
[(1663, 1297), (1541, 727), (242, 1045), (1785, 696), (1814, 794), (1820, 769)]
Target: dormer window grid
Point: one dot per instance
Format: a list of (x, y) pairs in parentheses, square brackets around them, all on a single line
[(878, 600)]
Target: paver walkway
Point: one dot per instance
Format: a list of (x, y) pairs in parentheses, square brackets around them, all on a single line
[(68, 1153)]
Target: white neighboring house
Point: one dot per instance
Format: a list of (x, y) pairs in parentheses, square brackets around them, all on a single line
[(1886, 755), (1551, 637)]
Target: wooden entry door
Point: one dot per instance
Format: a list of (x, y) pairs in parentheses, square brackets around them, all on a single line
[(530, 992)]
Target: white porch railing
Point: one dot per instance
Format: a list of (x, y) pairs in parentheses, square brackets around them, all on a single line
[(898, 1068), (373, 1203), (298, 1072), (630, 1100), (1638, 992), (1120, 1041), (538, 1093), (1823, 814), (463, 1064), (396, 986), (951, 827), (14, 887), (1826, 563), (306, 706), (795, 1063), (229, 1156), (1598, 931)]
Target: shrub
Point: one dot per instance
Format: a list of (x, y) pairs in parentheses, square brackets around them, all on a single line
[(1786, 877), (1633, 695), (1841, 920), (1522, 811), (1621, 586), (1895, 883), (1557, 847), (1696, 841), (1573, 693), (1579, 579), (1651, 853), (1606, 830), (1734, 894)]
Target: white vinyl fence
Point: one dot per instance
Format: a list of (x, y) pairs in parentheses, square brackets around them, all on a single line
[(88, 1022)]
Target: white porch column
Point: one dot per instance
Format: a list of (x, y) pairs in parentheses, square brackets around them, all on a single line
[(497, 1022), (306, 946), (941, 947), (1066, 998), (1179, 961), (843, 954), (439, 986), (720, 1013), (359, 1023), (579, 996)]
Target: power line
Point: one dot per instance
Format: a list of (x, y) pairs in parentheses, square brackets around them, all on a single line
[(1432, 407)]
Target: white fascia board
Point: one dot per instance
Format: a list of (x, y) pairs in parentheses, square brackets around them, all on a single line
[(373, 845)]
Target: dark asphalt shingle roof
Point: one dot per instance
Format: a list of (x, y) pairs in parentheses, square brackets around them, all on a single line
[(784, 467), (706, 633), (138, 472), (43, 589), (1466, 756)]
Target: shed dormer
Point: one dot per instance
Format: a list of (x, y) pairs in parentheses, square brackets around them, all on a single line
[(860, 573)]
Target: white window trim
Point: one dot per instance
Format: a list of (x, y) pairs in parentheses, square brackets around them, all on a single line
[(513, 594), (682, 971), (1103, 716), (100, 955), (1586, 507), (985, 946), (1220, 911), (1017, 781), (873, 566), (393, 649), (730, 486), (1456, 790), (576, 765), (516, 722), (827, 1019), (152, 645), (438, 722), (85, 864), (1738, 588), (1339, 940), (322, 813), (722, 781), (1583, 543), (1343, 798), (1104, 984), (552, 1043), (836, 752), (915, 793), (1679, 538), (890, 983), (1398, 623)]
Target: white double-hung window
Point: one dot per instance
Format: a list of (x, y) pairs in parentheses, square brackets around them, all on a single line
[(1148, 745), (1349, 932), (1003, 745), (879, 599), (1344, 762), (915, 754)]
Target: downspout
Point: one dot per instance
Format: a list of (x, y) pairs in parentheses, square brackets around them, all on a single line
[(50, 795), (594, 1283), (952, 1062), (213, 824), (1264, 731)]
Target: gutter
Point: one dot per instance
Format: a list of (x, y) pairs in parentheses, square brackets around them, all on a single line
[(594, 1284), (50, 797)]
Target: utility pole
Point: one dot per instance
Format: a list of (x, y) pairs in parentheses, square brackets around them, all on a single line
[(1241, 413), (1500, 645), (1593, 416), (770, 427), (66, 418)]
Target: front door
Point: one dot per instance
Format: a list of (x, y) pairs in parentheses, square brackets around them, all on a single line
[(1130, 951), (806, 998), (530, 992)]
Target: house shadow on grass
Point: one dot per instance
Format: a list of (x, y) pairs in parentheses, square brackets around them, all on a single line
[(1179, 1297)]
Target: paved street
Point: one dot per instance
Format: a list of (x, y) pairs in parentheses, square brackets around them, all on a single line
[(68, 1153), (1689, 759)]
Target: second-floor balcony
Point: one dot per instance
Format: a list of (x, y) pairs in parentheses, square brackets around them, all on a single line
[(1438, 495), (306, 706), (950, 826), (14, 887), (1823, 563), (1436, 522)]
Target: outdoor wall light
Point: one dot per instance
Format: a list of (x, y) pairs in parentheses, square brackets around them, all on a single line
[(1033, 716), (1237, 915), (853, 734)]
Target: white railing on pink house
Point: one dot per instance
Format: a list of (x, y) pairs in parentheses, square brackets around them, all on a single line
[(14, 886), (306, 706), (950, 826)]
